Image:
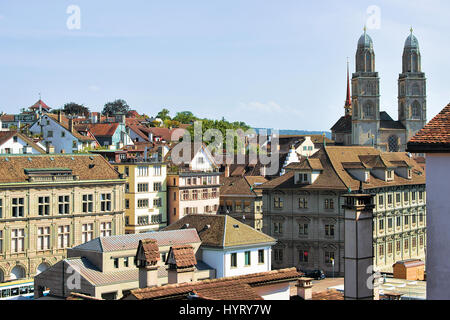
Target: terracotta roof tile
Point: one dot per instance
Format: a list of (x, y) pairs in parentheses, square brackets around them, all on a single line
[(329, 294), (151, 250), (103, 129), (436, 134), (225, 284), (182, 256)]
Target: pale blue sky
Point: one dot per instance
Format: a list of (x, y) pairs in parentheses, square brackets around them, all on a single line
[(269, 63)]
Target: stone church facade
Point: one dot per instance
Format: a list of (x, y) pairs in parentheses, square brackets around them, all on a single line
[(363, 123)]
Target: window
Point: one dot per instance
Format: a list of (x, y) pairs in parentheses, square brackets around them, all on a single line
[(116, 263), (17, 207), (303, 256), (127, 221), (381, 225), (329, 256), (156, 218), (127, 187), (421, 241), (1, 242), (17, 240), (303, 229), (205, 194), (105, 229), (142, 187), (142, 171), (406, 196), (87, 232), (157, 170), (157, 202), (43, 238), (127, 171), (397, 198), (49, 134), (63, 237), (43, 206), (261, 256), (277, 228), (381, 250), (406, 219), (142, 203), (398, 246), (406, 244), (74, 143), (413, 196), (329, 204), (214, 193), (381, 200), (414, 242), (105, 202), (278, 255), (329, 230), (1, 208), (63, 205), (399, 221), (278, 202), (421, 217), (420, 195), (157, 186), (389, 223), (389, 199), (185, 194), (234, 260), (247, 261), (88, 203), (413, 219), (143, 221), (63, 134), (127, 204), (194, 194), (303, 203), (389, 250), (238, 206)]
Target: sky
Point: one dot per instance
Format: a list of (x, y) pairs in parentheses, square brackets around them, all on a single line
[(274, 63)]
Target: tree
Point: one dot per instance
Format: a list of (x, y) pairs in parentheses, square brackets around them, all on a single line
[(75, 109), (163, 114), (115, 107), (186, 117)]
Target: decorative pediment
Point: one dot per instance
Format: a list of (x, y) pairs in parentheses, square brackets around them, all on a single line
[(278, 218), (303, 219), (329, 220), (329, 246)]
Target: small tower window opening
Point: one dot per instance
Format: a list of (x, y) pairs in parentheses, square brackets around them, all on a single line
[(393, 143), (368, 110), (416, 114)]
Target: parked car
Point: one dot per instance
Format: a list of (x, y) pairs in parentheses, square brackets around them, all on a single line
[(315, 274)]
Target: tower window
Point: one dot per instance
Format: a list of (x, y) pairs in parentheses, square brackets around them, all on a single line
[(368, 110), (416, 110)]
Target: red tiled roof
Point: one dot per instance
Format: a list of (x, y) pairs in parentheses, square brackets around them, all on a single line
[(435, 135), (151, 250), (7, 117), (103, 129), (223, 286), (183, 256), (36, 105)]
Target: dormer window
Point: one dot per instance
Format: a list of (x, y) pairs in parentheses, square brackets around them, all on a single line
[(389, 175), (366, 176), (409, 173)]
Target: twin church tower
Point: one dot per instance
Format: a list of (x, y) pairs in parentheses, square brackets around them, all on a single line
[(363, 123)]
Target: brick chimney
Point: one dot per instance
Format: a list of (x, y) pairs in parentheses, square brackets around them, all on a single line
[(181, 261), (304, 288), (147, 257), (71, 125), (60, 114), (227, 171)]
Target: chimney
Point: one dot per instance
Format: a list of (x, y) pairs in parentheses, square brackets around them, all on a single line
[(181, 261), (147, 257), (71, 125), (304, 288), (359, 279), (50, 149), (227, 171), (60, 113)]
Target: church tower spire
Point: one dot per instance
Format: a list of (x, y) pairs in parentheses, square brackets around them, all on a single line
[(365, 95), (348, 99), (412, 88)]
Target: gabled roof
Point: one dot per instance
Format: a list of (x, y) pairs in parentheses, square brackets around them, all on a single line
[(182, 256), (306, 164), (386, 122), (103, 129), (240, 185), (65, 124), (150, 250), (435, 136), (131, 241), (229, 288), (7, 135), (343, 125), (41, 103), (221, 231), (87, 167)]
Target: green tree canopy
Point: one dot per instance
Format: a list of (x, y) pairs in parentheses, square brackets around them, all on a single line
[(185, 117), (115, 107), (163, 114), (73, 108)]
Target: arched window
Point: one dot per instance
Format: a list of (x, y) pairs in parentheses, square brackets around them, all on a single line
[(415, 110), (17, 273), (368, 110), (402, 111), (393, 143), (42, 267)]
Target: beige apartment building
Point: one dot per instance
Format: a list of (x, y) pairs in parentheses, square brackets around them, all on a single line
[(145, 194), (303, 208), (52, 202)]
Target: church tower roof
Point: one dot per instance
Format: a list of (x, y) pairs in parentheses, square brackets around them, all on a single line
[(365, 41), (411, 42)]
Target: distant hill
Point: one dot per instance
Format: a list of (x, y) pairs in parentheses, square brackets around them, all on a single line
[(295, 132)]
